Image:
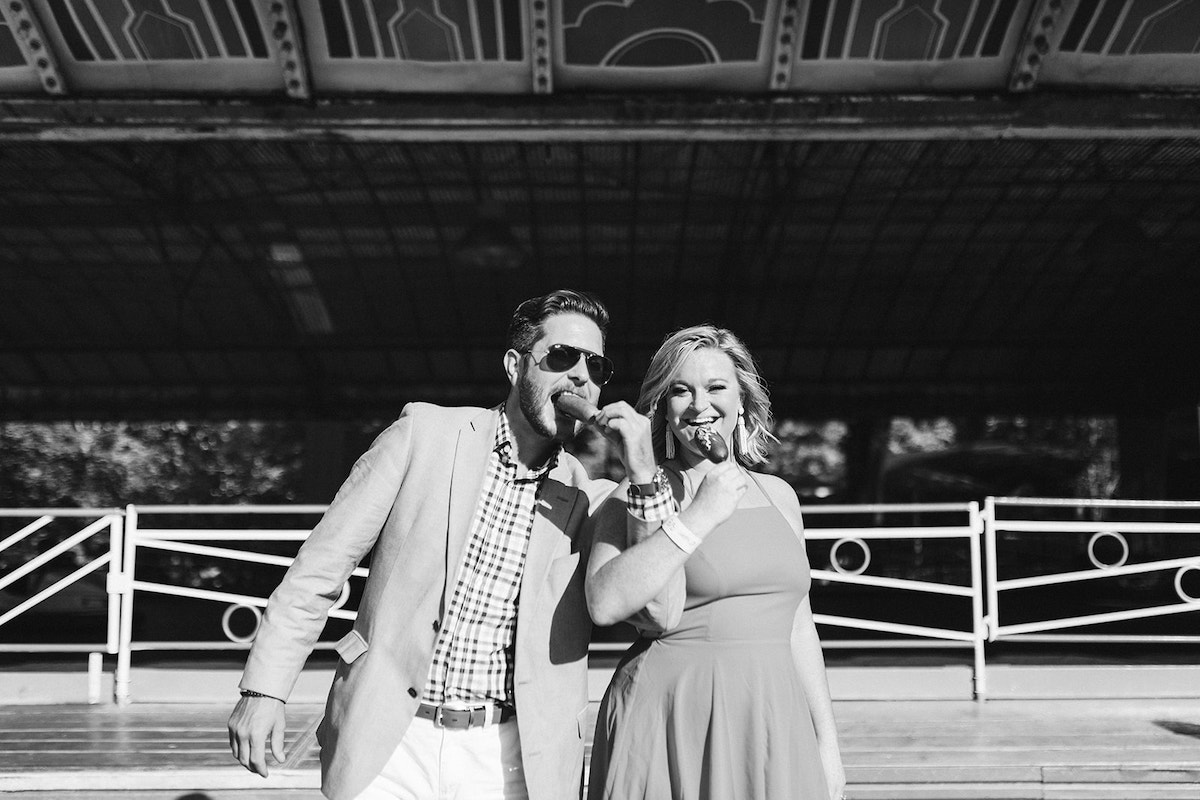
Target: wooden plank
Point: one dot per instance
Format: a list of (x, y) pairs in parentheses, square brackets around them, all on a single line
[(921, 750)]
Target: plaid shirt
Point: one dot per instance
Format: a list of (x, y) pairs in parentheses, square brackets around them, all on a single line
[(473, 657)]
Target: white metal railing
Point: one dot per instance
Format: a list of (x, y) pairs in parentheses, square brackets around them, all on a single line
[(1154, 548), (103, 521), (982, 545), (48, 579), (185, 539), (959, 524)]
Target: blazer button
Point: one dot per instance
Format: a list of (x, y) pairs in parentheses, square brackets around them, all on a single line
[(437, 625), (412, 692)]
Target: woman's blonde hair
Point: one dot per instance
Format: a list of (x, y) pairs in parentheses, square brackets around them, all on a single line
[(664, 367)]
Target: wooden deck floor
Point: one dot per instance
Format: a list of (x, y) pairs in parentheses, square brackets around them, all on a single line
[(914, 750)]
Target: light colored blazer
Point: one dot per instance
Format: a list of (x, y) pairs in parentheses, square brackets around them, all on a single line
[(409, 501)]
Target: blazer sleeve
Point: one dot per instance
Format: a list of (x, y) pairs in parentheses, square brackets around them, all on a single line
[(296, 611)]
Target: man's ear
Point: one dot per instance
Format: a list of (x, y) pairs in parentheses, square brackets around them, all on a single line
[(512, 366)]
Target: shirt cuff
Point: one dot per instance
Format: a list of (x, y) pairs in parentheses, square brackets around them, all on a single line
[(657, 506)]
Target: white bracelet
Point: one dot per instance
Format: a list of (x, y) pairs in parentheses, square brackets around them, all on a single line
[(678, 533)]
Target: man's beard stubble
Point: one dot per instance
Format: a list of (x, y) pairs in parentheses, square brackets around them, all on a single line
[(532, 399)]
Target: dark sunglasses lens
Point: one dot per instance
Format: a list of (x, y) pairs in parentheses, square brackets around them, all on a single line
[(600, 368), (561, 358)]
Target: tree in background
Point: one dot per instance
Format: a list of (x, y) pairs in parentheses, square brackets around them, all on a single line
[(110, 464)]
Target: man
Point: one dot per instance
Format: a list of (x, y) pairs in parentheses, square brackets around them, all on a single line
[(466, 672)]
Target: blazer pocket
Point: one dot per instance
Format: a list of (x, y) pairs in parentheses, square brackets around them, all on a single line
[(581, 720), (351, 646)]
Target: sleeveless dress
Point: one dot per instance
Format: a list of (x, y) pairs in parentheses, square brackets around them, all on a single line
[(714, 709)]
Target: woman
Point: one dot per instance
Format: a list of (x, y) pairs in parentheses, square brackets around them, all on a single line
[(724, 696)]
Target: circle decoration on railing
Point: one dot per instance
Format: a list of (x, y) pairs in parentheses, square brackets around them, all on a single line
[(1094, 555), (1184, 595), (343, 598), (845, 565), (228, 615)]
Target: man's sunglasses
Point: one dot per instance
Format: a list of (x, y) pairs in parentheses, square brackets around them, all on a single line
[(562, 357)]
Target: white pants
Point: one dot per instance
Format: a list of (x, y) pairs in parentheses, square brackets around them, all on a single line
[(432, 763)]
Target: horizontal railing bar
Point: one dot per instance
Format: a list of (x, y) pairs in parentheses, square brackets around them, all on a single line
[(1096, 573), (238, 509), (1101, 638), (98, 647), (892, 583), (201, 594), (1072, 526), (61, 512), (234, 555), (222, 597), (1095, 619), (224, 535), (942, 532), (1094, 503), (893, 627), (146, 646), (905, 644), (877, 508)]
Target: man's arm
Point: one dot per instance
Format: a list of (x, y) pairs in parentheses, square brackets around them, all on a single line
[(298, 608)]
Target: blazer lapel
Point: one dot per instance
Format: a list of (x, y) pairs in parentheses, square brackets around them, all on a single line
[(475, 441), (552, 513)]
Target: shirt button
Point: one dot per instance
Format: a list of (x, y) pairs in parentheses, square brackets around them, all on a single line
[(412, 692)]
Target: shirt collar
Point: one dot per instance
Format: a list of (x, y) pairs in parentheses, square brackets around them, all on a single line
[(505, 447)]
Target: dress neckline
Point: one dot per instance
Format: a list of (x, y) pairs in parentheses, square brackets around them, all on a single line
[(689, 489)]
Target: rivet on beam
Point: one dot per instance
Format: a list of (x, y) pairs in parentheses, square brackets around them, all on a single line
[(34, 45), (539, 47), (786, 28), (1044, 17), (285, 33)]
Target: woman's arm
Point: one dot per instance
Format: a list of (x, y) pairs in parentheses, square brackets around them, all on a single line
[(807, 655), (623, 578), (810, 665), (663, 612)]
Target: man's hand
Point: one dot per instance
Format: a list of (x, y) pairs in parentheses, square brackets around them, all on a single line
[(631, 432), (253, 721)]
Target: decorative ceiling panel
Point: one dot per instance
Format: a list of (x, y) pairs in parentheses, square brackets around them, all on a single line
[(848, 45), (176, 47), (1145, 43), (419, 45), (683, 44)]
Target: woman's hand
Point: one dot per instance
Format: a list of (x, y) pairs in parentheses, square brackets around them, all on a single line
[(717, 498)]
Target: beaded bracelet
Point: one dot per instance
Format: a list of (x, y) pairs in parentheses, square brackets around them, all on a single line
[(252, 693)]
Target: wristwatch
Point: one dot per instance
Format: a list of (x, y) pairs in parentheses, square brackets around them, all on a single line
[(649, 489)]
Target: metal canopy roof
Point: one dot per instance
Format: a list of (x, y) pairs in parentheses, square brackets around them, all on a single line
[(235, 207)]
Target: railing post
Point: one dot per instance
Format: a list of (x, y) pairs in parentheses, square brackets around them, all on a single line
[(991, 553), (116, 548), (124, 585), (978, 621)]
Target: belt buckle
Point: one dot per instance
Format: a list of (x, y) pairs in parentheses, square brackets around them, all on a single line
[(455, 708)]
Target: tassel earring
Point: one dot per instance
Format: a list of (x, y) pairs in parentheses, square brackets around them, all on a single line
[(741, 434), (669, 444)]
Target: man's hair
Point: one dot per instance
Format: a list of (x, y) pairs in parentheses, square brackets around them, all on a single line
[(527, 320)]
